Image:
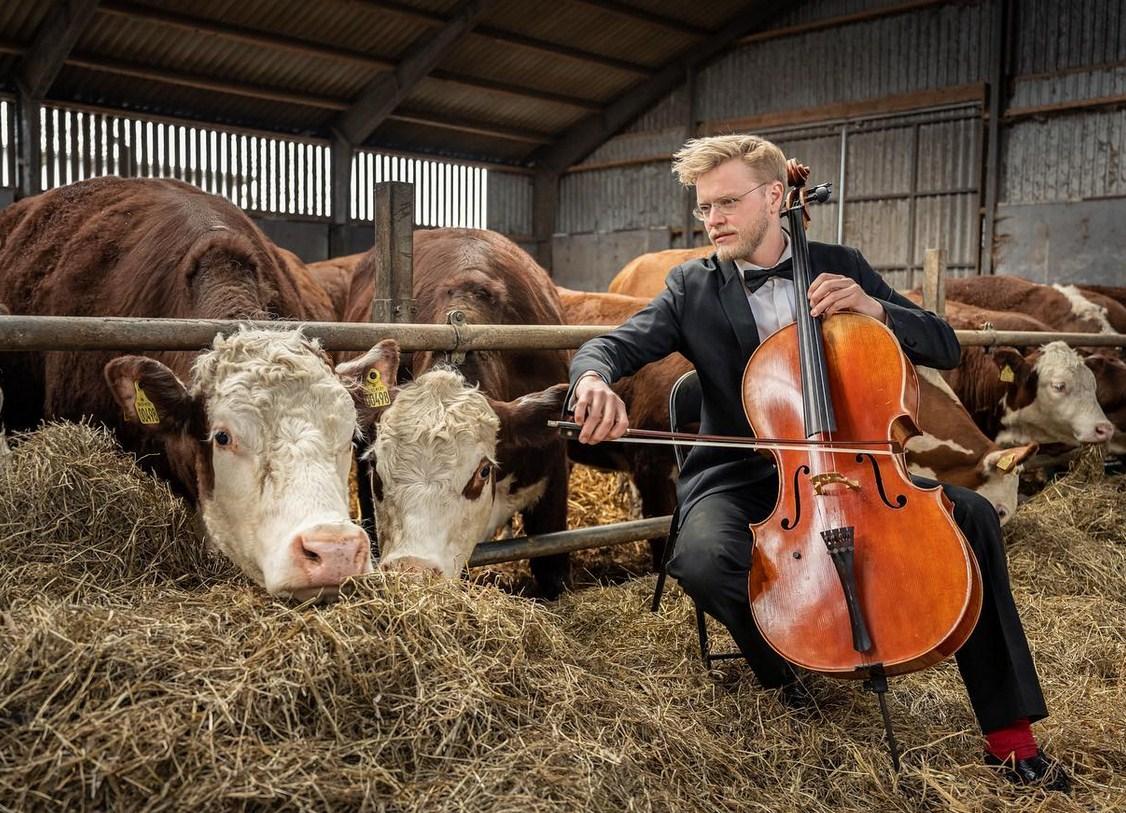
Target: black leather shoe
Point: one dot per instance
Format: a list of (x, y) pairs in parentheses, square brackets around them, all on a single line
[(1039, 770)]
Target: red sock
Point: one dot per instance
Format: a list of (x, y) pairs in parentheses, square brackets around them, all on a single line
[(1014, 740)]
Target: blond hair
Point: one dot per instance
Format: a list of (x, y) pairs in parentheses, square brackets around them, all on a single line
[(700, 155)]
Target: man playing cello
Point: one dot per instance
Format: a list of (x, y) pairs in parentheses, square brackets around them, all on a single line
[(715, 311)]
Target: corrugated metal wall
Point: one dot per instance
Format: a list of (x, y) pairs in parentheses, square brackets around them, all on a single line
[(911, 181), (509, 203)]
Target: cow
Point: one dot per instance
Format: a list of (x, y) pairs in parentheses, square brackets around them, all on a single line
[(1045, 397), (253, 431), (1115, 292), (644, 276), (961, 316), (335, 276), (1107, 307), (1110, 389), (421, 519), (951, 448), (1060, 307)]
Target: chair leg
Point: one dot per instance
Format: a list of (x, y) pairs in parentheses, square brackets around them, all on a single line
[(702, 629), (670, 543)]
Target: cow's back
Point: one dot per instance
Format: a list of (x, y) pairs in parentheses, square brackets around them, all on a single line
[(644, 276), (1003, 293)]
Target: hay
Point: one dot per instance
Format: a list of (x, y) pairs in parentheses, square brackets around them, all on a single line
[(441, 696), (74, 507)]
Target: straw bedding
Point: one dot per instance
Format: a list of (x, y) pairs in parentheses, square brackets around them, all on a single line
[(127, 685)]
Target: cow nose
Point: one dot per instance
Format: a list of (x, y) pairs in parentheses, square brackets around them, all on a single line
[(1104, 431), (411, 564), (329, 554)]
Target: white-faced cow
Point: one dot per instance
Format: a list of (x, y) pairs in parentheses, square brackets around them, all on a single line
[(1110, 383), (1045, 397), (255, 430), (492, 281), (953, 450)]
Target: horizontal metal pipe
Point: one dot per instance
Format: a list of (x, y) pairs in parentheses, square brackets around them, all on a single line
[(137, 334), (992, 338), (133, 334), (599, 536)]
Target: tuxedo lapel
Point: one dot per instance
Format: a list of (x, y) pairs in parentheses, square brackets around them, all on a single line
[(733, 298)]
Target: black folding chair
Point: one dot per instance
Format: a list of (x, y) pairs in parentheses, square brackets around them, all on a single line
[(685, 401)]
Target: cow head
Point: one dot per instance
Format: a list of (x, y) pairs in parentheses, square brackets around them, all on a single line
[(266, 428), (440, 483), (1050, 398), (998, 475), (1110, 389)]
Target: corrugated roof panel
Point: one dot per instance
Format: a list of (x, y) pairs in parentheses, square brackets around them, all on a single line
[(480, 56), (411, 137), (129, 93), (174, 49), (709, 15), (502, 109), (598, 30), (19, 21)]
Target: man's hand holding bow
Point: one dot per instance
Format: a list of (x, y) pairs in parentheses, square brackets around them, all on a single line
[(599, 410)]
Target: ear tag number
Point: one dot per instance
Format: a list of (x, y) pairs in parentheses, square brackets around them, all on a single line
[(1007, 374), (375, 391), (1005, 464), (146, 409)]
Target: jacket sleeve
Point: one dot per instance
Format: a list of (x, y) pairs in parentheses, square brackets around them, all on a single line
[(649, 335), (925, 337)]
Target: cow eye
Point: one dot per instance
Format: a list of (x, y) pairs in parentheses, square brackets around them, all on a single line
[(222, 438), (485, 471)]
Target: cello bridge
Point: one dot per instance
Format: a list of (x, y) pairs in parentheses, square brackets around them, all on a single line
[(821, 481)]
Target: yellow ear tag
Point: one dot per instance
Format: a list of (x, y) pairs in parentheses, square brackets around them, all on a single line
[(1007, 374), (146, 409), (1005, 464), (375, 391)]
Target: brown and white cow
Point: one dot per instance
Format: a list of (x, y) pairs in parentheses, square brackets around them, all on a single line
[(1061, 307), (254, 431), (422, 518), (644, 276), (1115, 292), (952, 449), (1045, 397), (1110, 388)]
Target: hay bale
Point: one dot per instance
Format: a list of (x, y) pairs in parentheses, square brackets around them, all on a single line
[(442, 696), (78, 514)]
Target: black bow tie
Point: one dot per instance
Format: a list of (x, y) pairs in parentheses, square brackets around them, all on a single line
[(755, 278)]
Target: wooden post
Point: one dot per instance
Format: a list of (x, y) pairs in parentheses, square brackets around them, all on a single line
[(934, 281), (341, 191), (545, 201), (393, 295)]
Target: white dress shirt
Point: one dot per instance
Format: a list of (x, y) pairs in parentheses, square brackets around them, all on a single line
[(773, 303)]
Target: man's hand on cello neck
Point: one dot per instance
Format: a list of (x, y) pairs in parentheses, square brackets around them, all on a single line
[(598, 410)]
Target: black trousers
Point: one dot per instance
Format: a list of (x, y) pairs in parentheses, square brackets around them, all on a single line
[(711, 561)]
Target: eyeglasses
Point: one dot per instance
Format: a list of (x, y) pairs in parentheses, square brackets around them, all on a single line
[(724, 206)]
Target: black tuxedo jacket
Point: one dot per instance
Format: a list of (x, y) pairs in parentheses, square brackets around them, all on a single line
[(703, 313)]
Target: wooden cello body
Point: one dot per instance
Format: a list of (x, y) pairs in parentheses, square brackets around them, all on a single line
[(857, 571)]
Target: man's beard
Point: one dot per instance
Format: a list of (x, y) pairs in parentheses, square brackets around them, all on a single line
[(746, 244)]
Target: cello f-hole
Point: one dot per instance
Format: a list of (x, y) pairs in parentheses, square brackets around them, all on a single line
[(900, 501), (790, 524)]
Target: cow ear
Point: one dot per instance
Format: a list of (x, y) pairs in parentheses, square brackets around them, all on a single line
[(1006, 460), (1010, 363), (523, 422), (150, 394), (371, 381)]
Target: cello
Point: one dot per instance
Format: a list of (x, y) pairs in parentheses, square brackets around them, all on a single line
[(857, 572)]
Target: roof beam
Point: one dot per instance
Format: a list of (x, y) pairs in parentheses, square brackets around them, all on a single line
[(510, 38), (582, 138), (295, 45), (471, 126), (641, 15), (387, 91), (54, 39)]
